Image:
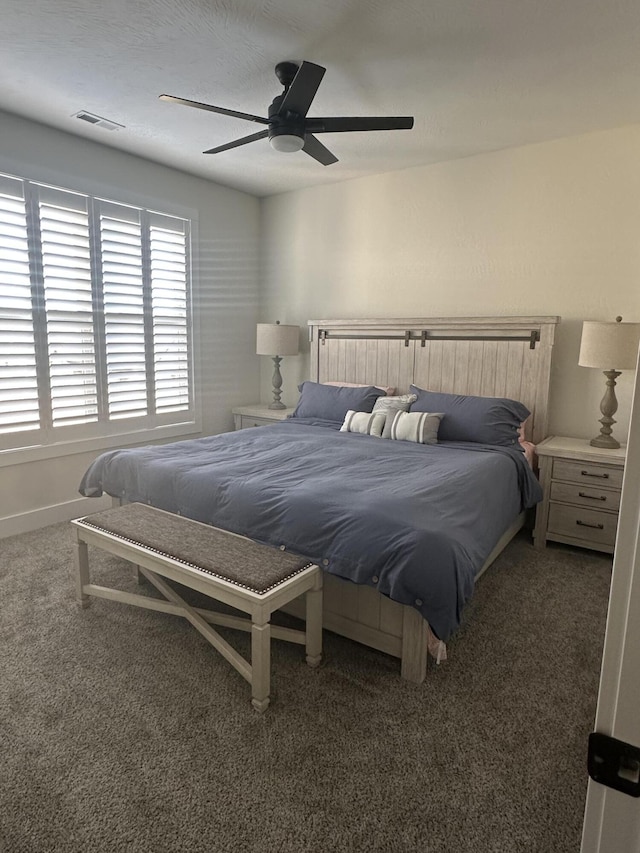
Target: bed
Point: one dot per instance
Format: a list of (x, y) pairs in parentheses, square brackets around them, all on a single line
[(402, 529)]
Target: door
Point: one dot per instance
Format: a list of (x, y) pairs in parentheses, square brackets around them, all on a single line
[(612, 819)]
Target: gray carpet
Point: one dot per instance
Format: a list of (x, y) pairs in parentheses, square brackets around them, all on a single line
[(123, 730)]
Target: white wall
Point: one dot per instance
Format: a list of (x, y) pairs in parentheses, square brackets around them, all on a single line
[(543, 229), (225, 293)]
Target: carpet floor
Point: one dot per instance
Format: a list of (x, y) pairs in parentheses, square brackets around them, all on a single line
[(122, 730)]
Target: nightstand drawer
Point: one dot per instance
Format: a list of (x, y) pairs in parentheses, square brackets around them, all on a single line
[(587, 472), (581, 523), (247, 422), (586, 495)]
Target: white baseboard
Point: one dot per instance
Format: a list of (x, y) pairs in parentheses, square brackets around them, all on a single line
[(23, 522)]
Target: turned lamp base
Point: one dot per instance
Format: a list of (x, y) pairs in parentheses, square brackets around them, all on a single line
[(276, 381), (608, 407)]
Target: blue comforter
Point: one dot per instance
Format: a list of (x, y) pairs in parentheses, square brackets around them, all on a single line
[(415, 521)]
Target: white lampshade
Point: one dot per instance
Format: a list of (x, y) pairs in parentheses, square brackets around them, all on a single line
[(276, 339), (609, 346)]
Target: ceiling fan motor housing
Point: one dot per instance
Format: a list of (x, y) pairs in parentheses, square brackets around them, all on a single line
[(284, 124)]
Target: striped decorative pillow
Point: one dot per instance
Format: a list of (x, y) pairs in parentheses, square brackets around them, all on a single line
[(420, 427), (364, 423)]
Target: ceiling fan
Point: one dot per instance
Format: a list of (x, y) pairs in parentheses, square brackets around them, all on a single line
[(288, 127)]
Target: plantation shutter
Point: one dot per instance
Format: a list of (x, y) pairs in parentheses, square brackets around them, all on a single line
[(169, 268), (123, 291), (95, 323), (19, 409), (68, 299)]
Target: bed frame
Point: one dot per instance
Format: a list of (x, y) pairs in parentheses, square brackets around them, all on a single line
[(484, 356)]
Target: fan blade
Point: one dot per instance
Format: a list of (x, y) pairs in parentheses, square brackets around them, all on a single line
[(297, 99), (212, 109), (340, 125), (262, 134), (316, 149)]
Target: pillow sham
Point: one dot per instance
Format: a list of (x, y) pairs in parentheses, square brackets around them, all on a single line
[(420, 427), (332, 403), (365, 423), (402, 402), (487, 420), (388, 390)]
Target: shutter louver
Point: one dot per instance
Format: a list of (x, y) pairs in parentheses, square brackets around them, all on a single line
[(123, 294), (66, 275), (19, 406), (170, 319)]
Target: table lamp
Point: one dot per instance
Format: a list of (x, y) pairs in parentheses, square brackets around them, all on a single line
[(277, 340), (612, 347)]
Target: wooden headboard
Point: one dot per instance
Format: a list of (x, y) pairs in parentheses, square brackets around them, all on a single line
[(483, 356)]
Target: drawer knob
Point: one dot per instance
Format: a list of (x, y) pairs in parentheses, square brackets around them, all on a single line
[(592, 497), (590, 474), (586, 524)]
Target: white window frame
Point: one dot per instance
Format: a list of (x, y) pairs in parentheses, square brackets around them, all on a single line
[(68, 440)]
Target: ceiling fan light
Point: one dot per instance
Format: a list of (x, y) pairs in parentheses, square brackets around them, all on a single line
[(287, 143)]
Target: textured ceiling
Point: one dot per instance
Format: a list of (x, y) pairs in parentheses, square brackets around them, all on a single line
[(478, 75)]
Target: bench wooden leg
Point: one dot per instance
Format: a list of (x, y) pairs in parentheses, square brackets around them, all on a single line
[(136, 574), (314, 623), (260, 665), (82, 573)]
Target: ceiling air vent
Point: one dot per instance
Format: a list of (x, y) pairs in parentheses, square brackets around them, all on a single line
[(83, 115)]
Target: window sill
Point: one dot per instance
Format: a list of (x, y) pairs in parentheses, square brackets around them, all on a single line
[(36, 453)]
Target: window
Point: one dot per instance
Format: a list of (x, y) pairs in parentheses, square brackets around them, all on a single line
[(95, 332)]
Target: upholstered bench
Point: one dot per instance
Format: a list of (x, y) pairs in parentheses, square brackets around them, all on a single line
[(253, 578)]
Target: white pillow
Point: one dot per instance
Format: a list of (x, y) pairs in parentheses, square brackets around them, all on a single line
[(365, 423), (383, 404), (420, 427)]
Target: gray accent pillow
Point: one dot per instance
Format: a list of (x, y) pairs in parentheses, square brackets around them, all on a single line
[(487, 420), (401, 402), (366, 423), (420, 427), (331, 403)]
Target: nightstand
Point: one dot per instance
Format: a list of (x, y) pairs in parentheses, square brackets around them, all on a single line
[(258, 415), (581, 486)]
